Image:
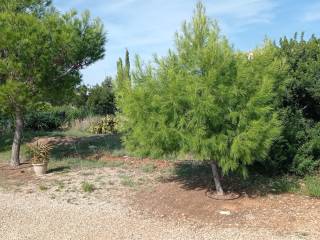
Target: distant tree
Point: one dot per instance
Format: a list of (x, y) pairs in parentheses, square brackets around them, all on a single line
[(203, 99), (123, 79), (101, 98), (41, 53), (80, 96)]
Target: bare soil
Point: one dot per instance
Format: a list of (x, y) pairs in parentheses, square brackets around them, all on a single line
[(128, 203), (281, 213)]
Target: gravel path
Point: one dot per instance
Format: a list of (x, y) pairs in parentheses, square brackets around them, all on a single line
[(36, 216)]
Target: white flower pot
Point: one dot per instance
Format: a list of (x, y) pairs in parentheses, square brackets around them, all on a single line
[(40, 168)]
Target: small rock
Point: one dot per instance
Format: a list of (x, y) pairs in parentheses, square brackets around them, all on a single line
[(225, 213)]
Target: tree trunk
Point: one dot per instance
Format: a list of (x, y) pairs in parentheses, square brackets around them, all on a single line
[(216, 178), (15, 153)]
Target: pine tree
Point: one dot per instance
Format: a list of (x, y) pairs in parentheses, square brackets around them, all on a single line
[(204, 99), (41, 54)]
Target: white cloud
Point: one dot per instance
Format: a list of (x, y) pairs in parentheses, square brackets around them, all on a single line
[(312, 13)]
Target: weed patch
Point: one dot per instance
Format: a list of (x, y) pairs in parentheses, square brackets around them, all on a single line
[(87, 187)]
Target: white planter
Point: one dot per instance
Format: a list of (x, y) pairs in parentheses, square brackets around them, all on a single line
[(40, 169)]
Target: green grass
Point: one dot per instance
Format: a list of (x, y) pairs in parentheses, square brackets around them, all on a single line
[(87, 187), (127, 181), (148, 168), (43, 187), (312, 185)]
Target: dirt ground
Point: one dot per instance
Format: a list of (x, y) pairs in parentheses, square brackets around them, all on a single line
[(165, 208), (128, 202)]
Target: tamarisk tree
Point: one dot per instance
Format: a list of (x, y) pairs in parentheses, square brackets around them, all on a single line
[(203, 99), (41, 54)]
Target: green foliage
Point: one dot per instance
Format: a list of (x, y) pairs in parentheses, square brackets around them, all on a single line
[(101, 98), (127, 181), (41, 56), (203, 99), (297, 150), (45, 121), (104, 125), (53, 118), (37, 7), (313, 186), (88, 187), (148, 168), (307, 158), (80, 96)]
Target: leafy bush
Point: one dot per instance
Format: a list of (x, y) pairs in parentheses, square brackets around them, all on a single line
[(71, 113), (44, 120), (52, 118), (104, 125), (298, 104), (307, 159)]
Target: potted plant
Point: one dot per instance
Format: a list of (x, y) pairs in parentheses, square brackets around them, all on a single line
[(40, 157)]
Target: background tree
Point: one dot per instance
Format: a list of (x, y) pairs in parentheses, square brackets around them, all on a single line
[(41, 53), (101, 98), (299, 108), (80, 96), (123, 79), (205, 100)]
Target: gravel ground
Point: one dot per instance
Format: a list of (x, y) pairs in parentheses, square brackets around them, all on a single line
[(36, 216)]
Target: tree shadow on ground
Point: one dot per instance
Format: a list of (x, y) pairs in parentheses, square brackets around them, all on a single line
[(198, 176), (59, 169)]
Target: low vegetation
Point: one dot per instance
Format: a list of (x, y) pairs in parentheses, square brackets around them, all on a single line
[(248, 121), (312, 185), (87, 187)]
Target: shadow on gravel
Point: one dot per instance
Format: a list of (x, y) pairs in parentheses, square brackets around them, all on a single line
[(194, 175)]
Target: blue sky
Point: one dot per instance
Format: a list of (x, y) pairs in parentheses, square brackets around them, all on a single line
[(146, 27)]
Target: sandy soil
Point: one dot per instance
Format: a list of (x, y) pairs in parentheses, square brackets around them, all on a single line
[(129, 204)]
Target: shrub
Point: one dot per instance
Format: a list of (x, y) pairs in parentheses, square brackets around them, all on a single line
[(307, 159), (53, 118), (104, 125), (298, 104), (44, 121)]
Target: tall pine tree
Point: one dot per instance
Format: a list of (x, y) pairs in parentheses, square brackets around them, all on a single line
[(204, 99)]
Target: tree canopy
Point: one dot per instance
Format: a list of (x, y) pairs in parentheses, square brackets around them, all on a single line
[(204, 99), (42, 52)]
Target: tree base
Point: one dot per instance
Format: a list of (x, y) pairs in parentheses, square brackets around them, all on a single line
[(226, 196)]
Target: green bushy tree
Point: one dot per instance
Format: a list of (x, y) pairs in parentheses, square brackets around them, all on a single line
[(203, 99), (299, 108), (101, 98), (41, 53)]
